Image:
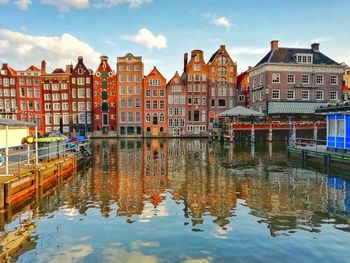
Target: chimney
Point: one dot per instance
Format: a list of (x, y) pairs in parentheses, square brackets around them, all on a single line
[(69, 69), (185, 61), (43, 67), (315, 47), (274, 44), (80, 59)]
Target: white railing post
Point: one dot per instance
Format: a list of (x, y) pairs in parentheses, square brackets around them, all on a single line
[(36, 145), (7, 152)]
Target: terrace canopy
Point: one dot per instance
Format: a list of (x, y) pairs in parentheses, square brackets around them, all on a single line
[(240, 111)]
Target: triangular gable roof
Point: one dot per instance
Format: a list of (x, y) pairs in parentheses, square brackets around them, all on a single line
[(212, 58), (33, 68), (155, 71), (176, 75), (240, 111)]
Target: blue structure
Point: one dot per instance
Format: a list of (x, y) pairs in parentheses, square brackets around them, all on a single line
[(338, 127)]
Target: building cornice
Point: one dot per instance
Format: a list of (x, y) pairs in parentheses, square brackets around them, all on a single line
[(285, 67)]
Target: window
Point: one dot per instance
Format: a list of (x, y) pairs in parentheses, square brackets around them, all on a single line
[(122, 103), (81, 93), (138, 116), (37, 105), (303, 58), (81, 81), (65, 106), (154, 93), (88, 93), (87, 80), (196, 115), (161, 117), (73, 80), (123, 116), (121, 78), (155, 118), (276, 94), (261, 95), (334, 80), (170, 122), (305, 94), (148, 93), (254, 97), (13, 81), (80, 71), (6, 82), (161, 93), (241, 98), (56, 97), (305, 79), (319, 94), (222, 103), (319, 79), (121, 68), (137, 90), (154, 82), (74, 106), (47, 106), (275, 78), (148, 117), (36, 93), (81, 106), (137, 102), (46, 86), (155, 105), (130, 90), (56, 106), (196, 58), (290, 78), (13, 93), (22, 93), (290, 94), (148, 104), (130, 103), (56, 86), (197, 67), (261, 79), (334, 95), (129, 78), (161, 105), (137, 67), (23, 106), (130, 117), (64, 86)]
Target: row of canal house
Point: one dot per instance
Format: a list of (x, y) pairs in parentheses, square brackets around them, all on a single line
[(128, 103), (122, 103)]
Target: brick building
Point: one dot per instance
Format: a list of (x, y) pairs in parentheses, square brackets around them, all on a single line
[(81, 98), (8, 92), (196, 80), (242, 91), (129, 95), (222, 82), (56, 88), (346, 87), (177, 108), (289, 75), (30, 97), (155, 109), (104, 100)]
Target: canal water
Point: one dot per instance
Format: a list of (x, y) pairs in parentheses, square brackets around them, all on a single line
[(187, 201)]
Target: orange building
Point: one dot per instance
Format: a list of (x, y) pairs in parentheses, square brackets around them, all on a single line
[(222, 82), (30, 98), (8, 92), (155, 111), (242, 91), (104, 100), (129, 95), (196, 77), (177, 99)]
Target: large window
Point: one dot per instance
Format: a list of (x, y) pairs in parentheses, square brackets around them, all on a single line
[(305, 94), (319, 79), (334, 95), (334, 80), (222, 103), (196, 115), (340, 128), (276, 94), (290, 94), (305, 79), (319, 94), (276, 78), (290, 78)]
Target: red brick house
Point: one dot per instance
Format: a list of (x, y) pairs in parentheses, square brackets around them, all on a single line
[(104, 100), (8, 92)]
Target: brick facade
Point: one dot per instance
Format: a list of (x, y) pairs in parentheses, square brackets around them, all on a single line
[(8, 92)]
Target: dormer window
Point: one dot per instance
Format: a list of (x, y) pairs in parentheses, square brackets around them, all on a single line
[(303, 58), (80, 71)]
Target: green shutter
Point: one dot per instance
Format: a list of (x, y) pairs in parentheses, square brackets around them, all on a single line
[(104, 84), (105, 107), (104, 95)]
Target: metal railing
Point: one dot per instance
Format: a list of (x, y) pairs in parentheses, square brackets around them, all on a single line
[(19, 160), (307, 143)]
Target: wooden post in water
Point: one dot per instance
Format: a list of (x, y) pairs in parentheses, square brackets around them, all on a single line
[(269, 136), (252, 135)]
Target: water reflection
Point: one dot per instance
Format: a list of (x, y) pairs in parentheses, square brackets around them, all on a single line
[(193, 186)]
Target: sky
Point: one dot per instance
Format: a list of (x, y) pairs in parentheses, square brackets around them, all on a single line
[(161, 31)]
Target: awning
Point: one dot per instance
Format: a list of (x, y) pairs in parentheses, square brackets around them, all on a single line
[(297, 108), (240, 111), (17, 123)]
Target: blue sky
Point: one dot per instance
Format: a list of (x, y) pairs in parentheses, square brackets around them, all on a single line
[(162, 30)]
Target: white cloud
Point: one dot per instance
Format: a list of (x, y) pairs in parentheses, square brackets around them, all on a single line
[(3, 1), (22, 50), (130, 3), (145, 37), (222, 21), (248, 51), (23, 4), (65, 5)]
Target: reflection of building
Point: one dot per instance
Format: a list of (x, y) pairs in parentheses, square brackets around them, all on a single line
[(104, 99), (155, 174), (155, 110), (129, 95), (130, 181)]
